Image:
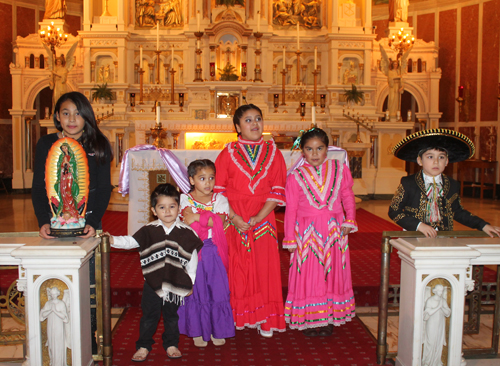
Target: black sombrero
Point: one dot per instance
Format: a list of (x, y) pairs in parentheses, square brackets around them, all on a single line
[(458, 146)]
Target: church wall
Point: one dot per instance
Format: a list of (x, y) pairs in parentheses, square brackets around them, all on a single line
[(26, 23), (447, 63), (468, 60), (5, 60), (426, 27), (490, 61)]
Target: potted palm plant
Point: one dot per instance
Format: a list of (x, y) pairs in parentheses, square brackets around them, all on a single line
[(102, 93), (354, 95), (228, 73)]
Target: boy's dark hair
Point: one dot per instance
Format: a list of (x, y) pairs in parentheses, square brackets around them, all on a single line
[(314, 133), (166, 190), (423, 151), (241, 111), (195, 166)]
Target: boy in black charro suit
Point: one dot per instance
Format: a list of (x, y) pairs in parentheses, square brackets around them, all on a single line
[(429, 200)]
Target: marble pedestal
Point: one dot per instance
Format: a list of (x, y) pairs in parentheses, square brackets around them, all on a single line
[(54, 263), (449, 260)]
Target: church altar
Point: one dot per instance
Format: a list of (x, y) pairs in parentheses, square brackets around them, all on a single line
[(140, 183)]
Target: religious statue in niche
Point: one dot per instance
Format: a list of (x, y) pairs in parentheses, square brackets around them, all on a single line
[(394, 70), (67, 181), (350, 75), (57, 314), (59, 68), (55, 9), (226, 104), (291, 12), (398, 10), (167, 13), (436, 310)]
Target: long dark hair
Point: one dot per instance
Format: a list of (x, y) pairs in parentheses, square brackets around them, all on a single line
[(312, 133), (92, 138), (241, 111)]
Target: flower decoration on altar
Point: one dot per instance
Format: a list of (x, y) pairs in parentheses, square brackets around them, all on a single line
[(228, 73)]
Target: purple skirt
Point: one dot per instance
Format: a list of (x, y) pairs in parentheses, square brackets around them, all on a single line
[(208, 310)]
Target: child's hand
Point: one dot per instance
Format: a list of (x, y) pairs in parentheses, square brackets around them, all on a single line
[(427, 230), (291, 250), (240, 224), (189, 216), (346, 230), (490, 230), (254, 220)]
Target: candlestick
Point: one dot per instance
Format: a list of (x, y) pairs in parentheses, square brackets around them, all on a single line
[(258, 21), (198, 20), (158, 114), (298, 37), (315, 57), (284, 62), (157, 36), (140, 57)]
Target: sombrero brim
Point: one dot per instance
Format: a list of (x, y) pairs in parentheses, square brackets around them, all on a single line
[(458, 146)]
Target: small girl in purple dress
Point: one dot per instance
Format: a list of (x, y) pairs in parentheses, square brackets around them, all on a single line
[(207, 314)]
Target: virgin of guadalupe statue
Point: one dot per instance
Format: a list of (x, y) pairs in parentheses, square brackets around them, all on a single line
[(67, 178), (56, 313), (59, 68), (394, 74)]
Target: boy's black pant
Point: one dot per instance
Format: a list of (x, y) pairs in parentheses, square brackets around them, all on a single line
[(152, 308)]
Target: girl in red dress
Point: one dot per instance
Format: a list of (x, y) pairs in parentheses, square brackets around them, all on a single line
[(252, 173)]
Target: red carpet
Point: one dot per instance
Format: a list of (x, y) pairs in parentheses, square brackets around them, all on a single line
[(350, 345)]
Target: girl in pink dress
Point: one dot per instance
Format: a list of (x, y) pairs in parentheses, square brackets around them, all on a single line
[(251, 173), (320, 212)]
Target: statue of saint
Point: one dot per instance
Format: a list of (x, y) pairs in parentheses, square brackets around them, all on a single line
[(60, 67), (398, 10), (67, 185), (56, 313), (350, 75), (55, 9), (435, 311), (394, 74)]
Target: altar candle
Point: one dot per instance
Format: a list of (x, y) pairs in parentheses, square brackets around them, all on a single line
[(258, 21), (172, 61), (315, 57), (157, 36), (140, 57), (313, 111), (298, 37), (284, 62), (198, 20), (157, 114), (461, 91)]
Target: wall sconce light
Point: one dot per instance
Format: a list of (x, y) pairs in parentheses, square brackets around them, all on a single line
[(212, 71), (302, 111), (276, 102), (460, 98), (322, 102), (181, 101)]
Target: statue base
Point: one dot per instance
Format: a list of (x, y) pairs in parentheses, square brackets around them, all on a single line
[(66, 233)]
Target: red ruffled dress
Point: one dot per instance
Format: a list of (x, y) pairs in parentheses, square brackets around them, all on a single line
[(320, 202), (249, 174)]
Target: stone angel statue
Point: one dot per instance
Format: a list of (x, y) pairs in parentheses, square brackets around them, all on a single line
[(394, 70), (60, 67)]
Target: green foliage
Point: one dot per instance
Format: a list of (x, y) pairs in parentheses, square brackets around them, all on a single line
[(228, 3), (228, 73), (354, 95), (102, 91)]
